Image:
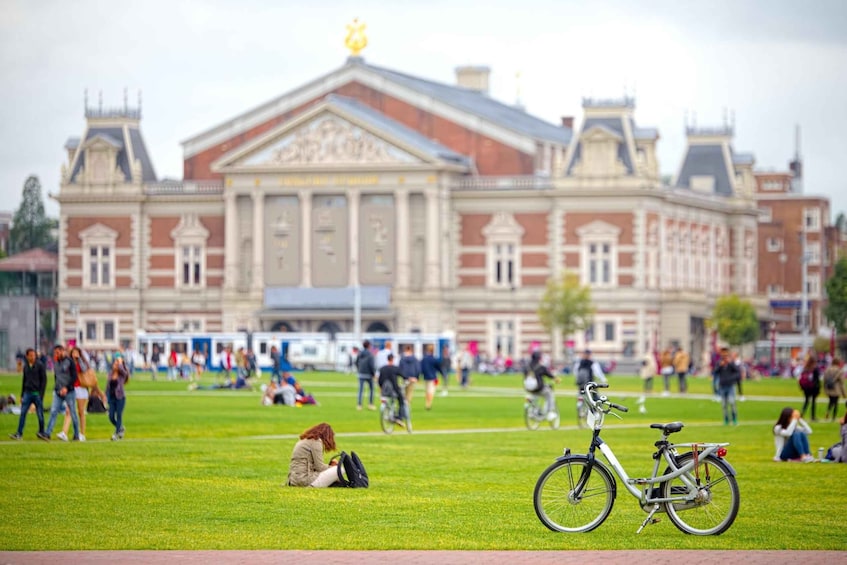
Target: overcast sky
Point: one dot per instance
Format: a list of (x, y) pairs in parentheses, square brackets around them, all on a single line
[(773, 63)]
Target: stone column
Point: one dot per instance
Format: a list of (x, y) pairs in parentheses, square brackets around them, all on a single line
[(433, 238), (305, 238), (230, 240), (401, 215), (258, 282), (353, 197)]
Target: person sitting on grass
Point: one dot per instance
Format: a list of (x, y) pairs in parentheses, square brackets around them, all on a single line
[(307, 467), (300, 396), (791, 437)]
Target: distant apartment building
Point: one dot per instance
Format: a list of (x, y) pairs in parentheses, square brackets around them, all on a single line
[(789, 222), (5, 231)]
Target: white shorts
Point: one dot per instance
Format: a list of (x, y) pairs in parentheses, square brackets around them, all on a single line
[(81, 393)]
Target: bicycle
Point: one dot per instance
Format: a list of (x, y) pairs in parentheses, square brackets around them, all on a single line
[(697, 489), (535, 412), (388, 409)]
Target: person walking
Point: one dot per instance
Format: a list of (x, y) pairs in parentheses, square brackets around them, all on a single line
[(64, 370), (430, 367), (647, 373), (810, 384), (410, 370), (81, 394), (33, 386), (445, 368), (666, 368), (155, 357), (366, 369), (118, 377), (833, 385), (681, 363), (726, 375)]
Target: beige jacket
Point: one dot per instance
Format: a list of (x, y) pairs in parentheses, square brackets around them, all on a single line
[(306, 462), (681, 361)]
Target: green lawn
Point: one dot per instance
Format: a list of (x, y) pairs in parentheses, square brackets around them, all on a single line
[(204, 469)]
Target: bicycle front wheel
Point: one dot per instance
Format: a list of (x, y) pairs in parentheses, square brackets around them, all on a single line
[(558, 504), (386, 418), (715, 507)]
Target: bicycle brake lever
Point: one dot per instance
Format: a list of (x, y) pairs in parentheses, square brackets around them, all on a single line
[(615, 415)]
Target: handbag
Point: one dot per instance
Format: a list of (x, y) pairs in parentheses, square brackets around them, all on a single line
[(88, 378)]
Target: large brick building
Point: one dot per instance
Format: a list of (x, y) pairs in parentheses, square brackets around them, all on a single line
[(448, 210)]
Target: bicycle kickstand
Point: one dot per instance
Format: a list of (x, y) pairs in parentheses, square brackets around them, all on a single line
[(649, 519)]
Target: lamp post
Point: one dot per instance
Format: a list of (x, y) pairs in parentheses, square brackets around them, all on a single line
[(773, 347), (804, 293)]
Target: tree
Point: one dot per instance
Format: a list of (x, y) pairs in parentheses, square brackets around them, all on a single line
[(735, 320), (566, 305), (836, 292), (30, 227)]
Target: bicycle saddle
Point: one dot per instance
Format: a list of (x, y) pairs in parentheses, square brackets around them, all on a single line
[(668, 428)]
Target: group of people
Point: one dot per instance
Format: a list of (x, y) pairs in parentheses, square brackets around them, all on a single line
[(405, 373), (70, 396), (286, 391), (791, 439)]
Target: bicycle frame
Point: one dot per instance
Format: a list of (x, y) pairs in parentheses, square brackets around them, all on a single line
[(667, 450)]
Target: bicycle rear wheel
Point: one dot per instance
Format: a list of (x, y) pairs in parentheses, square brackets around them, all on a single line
[(718, 498), (560, 508), (532, 414), (386, 418)]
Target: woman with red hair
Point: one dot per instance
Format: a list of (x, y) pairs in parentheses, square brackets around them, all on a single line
[(307, 467)]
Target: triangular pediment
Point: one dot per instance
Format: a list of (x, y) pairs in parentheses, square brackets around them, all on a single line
[(322, 137), (600, 133), (98, 232), (598, 228)]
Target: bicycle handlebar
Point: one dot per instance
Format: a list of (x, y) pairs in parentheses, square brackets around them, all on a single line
[(594, 401)]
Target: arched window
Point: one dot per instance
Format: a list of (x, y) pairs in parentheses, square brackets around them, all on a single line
[(330, 328), (377, 327)]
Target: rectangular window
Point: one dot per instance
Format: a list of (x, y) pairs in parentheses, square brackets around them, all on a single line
[(91, 331), (504, 338), (99, 265), (191, 265), (600, 264), (504, 265), (774, 244), (609, 331), (813, 285), (813, 253), (812, 218), (108, 331), (774, 289)]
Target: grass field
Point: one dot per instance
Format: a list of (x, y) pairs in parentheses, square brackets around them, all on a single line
[(204, 470)]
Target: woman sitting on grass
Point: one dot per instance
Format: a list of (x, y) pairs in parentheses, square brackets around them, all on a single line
[(791, 437), (307, 467)]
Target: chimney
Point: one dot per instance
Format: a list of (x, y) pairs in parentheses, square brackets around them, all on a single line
[(567, 122), (473, 78)]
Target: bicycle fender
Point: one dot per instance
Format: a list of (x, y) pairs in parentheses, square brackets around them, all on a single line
[(725, 462)]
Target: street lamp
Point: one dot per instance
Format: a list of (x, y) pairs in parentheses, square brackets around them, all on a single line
[(773, 346)]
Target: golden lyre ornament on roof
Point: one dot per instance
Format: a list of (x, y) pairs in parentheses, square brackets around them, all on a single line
[(356, 39)]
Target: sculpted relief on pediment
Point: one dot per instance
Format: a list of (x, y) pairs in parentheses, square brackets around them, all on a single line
[(329, 140)]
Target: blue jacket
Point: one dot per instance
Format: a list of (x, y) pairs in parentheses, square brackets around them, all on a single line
[(430, 366), (410, 367)]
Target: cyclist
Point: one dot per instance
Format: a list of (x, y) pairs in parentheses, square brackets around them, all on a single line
[(388, 375), (534, 376), (587, 369)]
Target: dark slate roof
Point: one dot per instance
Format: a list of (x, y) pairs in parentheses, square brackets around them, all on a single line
[(148, 174), (115, 136), (706, 160), (479, 104), (613, 124), (397, 130)]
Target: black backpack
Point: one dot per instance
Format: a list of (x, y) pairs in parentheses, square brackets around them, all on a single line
[(352, 467)]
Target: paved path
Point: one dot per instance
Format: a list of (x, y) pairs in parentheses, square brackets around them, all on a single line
[(671, 557)]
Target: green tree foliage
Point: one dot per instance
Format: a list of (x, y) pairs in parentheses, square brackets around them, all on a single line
[(735, 320), (30, 226), (566, 305), (836, 292)]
